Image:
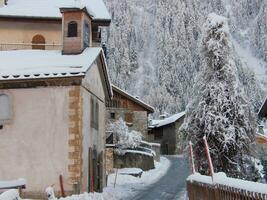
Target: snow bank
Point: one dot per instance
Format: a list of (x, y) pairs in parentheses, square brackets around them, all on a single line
[(127, 185), (222, 179), (131, 171), (10, 195)]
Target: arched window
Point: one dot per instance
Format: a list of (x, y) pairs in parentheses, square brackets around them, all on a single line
[(72, 29), (5, 110), (38, 42)]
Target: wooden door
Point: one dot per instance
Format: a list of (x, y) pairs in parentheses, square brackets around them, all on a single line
[(38, 42)]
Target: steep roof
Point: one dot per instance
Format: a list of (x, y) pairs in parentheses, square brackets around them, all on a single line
[(263, 110), (169, 120), (46, 64), (50, 8), (131, 97)]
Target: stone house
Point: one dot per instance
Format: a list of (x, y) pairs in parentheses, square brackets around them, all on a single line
[(164, 131), (52, 102), (131, 109)]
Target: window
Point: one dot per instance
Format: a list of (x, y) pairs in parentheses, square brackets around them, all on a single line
[(94, 114), (86, 35), (38, 42), (128, 117), (5, 113), (72, 29), (112, 115)]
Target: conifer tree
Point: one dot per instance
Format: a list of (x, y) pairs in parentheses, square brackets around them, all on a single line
[(219, 109)]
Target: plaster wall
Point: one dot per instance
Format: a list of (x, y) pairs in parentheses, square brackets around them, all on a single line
[(34, 144), (23, 32), (92, 88)]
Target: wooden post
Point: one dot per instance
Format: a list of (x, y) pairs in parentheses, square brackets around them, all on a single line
[(116, 177), (208, 157), (192, 157), (61, 186)]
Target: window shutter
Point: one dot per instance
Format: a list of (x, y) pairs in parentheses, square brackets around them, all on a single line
[(5, 112)]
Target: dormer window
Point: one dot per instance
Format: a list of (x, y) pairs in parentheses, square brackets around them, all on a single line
[(72, 29)]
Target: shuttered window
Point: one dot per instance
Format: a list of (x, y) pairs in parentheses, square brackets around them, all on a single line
[(5, 110), (94, 114)]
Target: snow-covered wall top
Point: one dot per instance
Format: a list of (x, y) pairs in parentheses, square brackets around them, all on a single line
[(222, 179), (34, 64), (50, 8)]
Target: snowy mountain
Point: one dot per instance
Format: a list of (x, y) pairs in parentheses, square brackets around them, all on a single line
[(153, 47)]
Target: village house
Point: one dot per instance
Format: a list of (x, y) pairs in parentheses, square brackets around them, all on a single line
[(164, 131), (131, 109), (53, 88)]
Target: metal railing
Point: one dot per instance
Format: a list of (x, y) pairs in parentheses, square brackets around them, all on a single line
[(24, 46)]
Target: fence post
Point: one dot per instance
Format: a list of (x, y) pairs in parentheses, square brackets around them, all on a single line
[(208, 157), (192, 157)]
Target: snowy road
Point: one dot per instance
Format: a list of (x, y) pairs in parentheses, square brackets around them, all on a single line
[(171, 186)]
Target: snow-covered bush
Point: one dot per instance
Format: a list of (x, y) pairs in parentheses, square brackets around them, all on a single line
[(219, 109), (125, 138)]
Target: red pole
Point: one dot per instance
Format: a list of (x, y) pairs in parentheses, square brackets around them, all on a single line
[(62, 186), (208, 156), (192, 157)]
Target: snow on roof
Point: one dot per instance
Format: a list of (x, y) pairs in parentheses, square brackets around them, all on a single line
[(50, 8), (137, 100), (166, 121), (35, 64)]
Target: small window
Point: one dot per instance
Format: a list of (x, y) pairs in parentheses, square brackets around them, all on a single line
[(38, 42), (112, 115), (5, 111), (94, 114), (86, 36), (72, 29), (128, 117)]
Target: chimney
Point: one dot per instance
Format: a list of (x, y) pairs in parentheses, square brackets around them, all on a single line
[(76, 30), (163, 116)]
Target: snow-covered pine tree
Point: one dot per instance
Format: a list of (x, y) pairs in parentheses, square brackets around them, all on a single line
[(219, 109)]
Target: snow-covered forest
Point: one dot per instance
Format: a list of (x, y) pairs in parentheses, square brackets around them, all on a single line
[(154, 47)]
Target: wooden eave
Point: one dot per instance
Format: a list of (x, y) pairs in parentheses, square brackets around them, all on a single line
[(41, 82)]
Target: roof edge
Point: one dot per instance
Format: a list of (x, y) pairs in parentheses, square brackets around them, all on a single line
[(138, 101)]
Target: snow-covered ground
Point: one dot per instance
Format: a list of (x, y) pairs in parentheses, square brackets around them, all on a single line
[(126, 185)]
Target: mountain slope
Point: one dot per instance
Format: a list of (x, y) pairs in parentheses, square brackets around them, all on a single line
[(153, 47)]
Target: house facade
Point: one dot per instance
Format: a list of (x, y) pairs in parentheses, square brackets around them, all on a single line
[(164, 131), (131, 109), (52, 103)]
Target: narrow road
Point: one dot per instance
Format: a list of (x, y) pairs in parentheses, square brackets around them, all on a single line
[(171, 186)]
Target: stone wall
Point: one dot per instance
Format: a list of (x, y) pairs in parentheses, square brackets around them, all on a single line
[(109, 160), (133, 160)]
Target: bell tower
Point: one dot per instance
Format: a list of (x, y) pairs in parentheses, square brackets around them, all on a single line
[(76, 30)]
